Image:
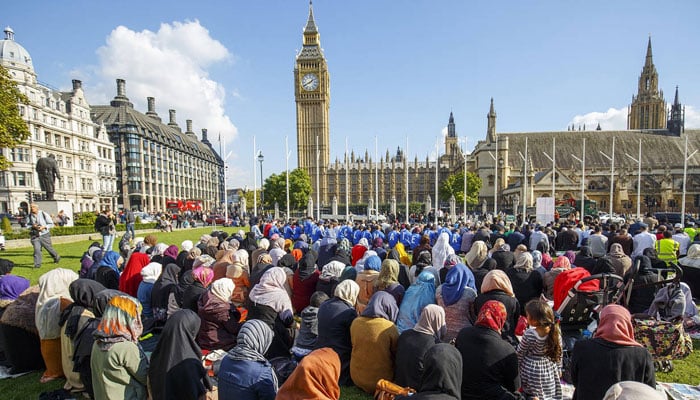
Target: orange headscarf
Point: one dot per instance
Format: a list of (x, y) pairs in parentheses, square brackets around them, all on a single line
[(316, 377)]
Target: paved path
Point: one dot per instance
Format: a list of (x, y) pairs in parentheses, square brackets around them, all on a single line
[(19, 243)]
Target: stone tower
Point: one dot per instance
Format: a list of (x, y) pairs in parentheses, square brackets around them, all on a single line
[(648, 108), (312, 95), (676, 117), (451, 141)]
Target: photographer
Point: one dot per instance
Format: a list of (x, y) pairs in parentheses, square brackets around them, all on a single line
[(40, 222)]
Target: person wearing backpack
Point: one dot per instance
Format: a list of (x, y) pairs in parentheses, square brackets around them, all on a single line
[(104, 225), (40, 223)]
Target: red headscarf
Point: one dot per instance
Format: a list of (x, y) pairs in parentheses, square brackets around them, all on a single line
[(616, 326), (492, 315), (131, 277)]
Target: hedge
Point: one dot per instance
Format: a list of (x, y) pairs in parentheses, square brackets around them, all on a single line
[(73, 230)]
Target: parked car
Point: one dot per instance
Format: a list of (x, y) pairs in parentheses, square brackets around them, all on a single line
[(673, 217), (216, 219), (605, 218)]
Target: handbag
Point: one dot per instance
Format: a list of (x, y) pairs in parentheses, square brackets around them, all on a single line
[(665, 340), (387, 390)]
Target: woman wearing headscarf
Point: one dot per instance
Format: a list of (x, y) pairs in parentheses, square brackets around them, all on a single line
[(415, 342), (84, 339), (418, 295), (277, 250), (52, 286), (11, 286), (170, 254), (270, 303), (18, 328), (219, 317), (74, 318), (603, 265), (394, 254), (526, 282), (202, 277), (621, 261), (130, 279), (359, 250), (423, 245), (490, 368), (176, 369), (360, 265), (316, 377), (119, 366), (237, 273), (502, 255), (497, 286), (537, 262), (149, 276), (219, 267), (261, 249), (584, 259), (260, 266), (335, 317), (366, 280), (211, 246), (611, 356), (656, 262), (107, 271), (440, 251), (388, 280), (304, 282), (455, 296), (163, 294), (442, 376), (158, 252), (342, 252), (476, 259), (374, 337), (330, 277), (423, 261), (560, 264), (643, 289), (245, 373)]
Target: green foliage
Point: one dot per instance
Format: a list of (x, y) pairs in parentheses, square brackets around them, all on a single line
[(454, 186), (13, 129), (85, 219), (137, 220), (275, 188), (6, 225)]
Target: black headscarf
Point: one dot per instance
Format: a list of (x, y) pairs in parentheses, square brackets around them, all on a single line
[(307, 265), (341, 255), (602, 266), (584, 259), (107, 277), (164, 285), (644, 267), (654, 258), (186, 280), (424, 259), (83, 293), (176, 370), (6, 266), (442, 373), (288, 261)]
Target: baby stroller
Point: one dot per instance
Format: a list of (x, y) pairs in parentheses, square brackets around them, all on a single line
[(660, 329), (580, 309)]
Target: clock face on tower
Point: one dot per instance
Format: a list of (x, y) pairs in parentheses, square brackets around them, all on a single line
[(309, 82)]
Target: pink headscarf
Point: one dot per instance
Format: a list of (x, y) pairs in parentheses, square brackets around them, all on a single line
[(562, 262), (616, 326), (546, 261)]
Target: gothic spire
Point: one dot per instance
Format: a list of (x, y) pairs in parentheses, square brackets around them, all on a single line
[(649, 61), (492, 112), (311, 24), (676, 102), (451, 131)]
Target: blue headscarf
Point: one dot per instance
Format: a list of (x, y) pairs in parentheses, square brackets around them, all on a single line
[(458, 278), (418, 295), (374, 263), (381, 305), (110, 260)]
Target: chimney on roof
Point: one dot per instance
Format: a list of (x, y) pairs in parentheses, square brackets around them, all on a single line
[(152, 108), (77, 84), (173, 120), (189, 130), (121, 99), (204, 135)]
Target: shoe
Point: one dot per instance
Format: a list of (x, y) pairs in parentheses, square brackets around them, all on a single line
[(56, 259), (37, 266)]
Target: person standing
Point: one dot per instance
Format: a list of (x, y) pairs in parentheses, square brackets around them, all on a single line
[(130, 220), (39, 223), (104, 224)]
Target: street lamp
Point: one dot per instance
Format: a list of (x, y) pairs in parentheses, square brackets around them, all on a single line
[(639, 177), (582, 160), (611, 158), (261, 158)]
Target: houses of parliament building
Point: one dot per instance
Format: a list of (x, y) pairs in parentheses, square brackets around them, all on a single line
[(512, 166)]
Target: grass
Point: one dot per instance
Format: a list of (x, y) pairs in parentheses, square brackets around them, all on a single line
[(28, 386)]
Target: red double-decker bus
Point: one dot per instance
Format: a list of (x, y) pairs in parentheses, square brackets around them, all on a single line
[(175, 206)]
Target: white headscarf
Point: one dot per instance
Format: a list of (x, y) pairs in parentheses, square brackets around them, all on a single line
[(151, 272), (187, 245), (223, 288), (159, 249), (271, 292), (52, 286), (332, 270), (441, 250), (347, 290)]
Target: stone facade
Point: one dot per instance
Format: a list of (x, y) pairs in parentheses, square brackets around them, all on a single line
[(60, 125)]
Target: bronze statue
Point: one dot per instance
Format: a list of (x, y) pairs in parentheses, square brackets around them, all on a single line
[(47, 169)]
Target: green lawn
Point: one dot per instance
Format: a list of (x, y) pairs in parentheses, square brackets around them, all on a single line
[(28, 386)]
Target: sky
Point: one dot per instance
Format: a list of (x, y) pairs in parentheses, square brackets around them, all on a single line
[(397, 68)]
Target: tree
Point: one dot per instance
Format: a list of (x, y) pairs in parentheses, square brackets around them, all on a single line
[(13, 129), (454, 186), (275, 188)]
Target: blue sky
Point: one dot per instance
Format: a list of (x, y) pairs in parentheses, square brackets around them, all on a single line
[(397, 68)]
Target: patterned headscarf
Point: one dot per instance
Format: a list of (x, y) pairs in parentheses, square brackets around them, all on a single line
[(121, 322), (451, 261), (344, 245), (253, 340), (492, 315)]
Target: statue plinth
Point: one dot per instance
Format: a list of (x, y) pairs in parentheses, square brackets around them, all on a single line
[(52, 207)]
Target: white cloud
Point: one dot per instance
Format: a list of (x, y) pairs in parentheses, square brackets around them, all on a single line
[(616, 119), (172, 66)]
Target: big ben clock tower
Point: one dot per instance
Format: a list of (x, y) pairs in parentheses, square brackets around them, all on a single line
[(312, 95)]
